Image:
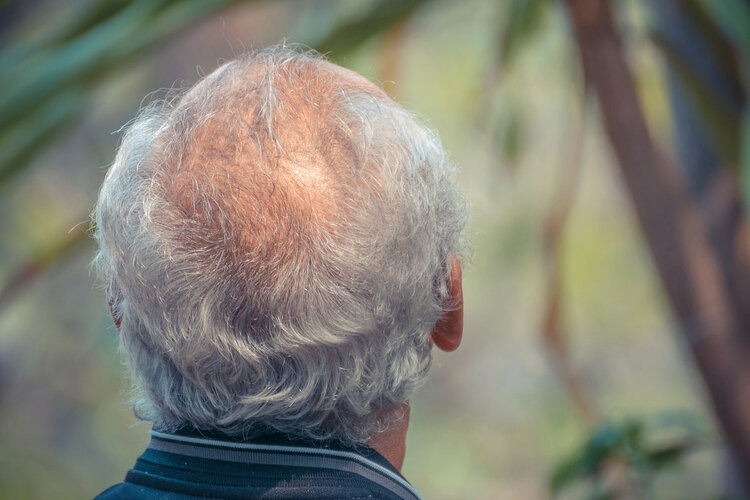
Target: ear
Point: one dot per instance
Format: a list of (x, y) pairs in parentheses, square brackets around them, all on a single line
[(111, 301), (449, 329)]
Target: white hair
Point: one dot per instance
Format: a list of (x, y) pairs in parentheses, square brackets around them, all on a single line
[(275, 244)]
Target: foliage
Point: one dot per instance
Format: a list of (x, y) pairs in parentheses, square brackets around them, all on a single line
[(379, 18), (46, 80), (722, 119), (522, 21), (633, 443), (733, 19)]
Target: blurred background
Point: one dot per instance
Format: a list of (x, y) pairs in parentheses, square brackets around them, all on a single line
[(602, 146)]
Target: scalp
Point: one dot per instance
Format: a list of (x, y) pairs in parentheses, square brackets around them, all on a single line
[(275, 243), (252, 148)]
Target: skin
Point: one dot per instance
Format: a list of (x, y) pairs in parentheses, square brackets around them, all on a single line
[(447, 332), (446, 335)]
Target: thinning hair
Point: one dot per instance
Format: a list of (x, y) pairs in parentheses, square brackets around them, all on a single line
[(275, 247)]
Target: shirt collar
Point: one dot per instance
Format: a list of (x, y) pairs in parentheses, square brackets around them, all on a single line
[(276, 449)]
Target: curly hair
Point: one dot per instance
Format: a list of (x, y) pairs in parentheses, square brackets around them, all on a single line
[(274, 244)]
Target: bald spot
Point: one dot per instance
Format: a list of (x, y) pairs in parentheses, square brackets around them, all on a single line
[(267, 157)]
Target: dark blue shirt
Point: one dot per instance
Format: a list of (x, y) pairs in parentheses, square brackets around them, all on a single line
[(190, 464)]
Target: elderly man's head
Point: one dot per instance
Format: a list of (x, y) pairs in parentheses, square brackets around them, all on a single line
[(278, 244)]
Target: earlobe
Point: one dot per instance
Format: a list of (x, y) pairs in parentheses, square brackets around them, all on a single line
[(448, 331)]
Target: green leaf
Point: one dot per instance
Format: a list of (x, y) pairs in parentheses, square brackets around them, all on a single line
[(733, 16), (585, 462), (669, 455), (567, 472), (745, 161), (383, 15), (508, 136), (721, 120), (714, 38), (83, 19), (44, 90), (41, 76), (523, 21), (36, 130), (627, 441)]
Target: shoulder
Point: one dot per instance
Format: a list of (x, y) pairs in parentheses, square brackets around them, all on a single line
[(187, 467), (130, 491)]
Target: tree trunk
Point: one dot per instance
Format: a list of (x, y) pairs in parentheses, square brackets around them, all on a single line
[(678, 238)]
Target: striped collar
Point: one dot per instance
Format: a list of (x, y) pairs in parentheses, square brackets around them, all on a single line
[(281, 452)]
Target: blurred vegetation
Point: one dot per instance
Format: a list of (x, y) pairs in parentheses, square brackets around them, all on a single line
[(558, 254), (622, 458)]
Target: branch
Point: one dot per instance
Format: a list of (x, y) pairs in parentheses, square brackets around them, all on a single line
[(672, 226), (44, 260), (554, 330)]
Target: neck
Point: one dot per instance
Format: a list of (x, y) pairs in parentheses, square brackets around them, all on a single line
[(391, 443)]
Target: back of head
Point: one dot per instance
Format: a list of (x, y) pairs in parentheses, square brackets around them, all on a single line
[(275, 244)]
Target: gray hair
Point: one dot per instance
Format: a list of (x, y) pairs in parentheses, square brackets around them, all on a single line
[(275, 245)]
